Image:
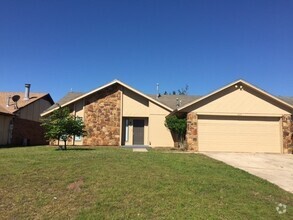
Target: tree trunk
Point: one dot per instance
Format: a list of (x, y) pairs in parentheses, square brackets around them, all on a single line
[(65, 148), (181, 142)]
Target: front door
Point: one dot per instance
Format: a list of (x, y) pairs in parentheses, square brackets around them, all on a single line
[(138, 132)]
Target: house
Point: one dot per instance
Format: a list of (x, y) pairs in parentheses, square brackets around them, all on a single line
[(20, 117), (5, 118), (238, 117)]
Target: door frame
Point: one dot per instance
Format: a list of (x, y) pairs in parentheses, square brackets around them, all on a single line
[(128, 130)]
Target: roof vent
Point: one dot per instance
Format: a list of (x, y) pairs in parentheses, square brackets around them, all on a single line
[(178, 102), (158, 92), (8, 101), (27, 92)]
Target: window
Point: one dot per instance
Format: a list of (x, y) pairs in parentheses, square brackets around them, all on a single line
[(78, 138), (126, 130)]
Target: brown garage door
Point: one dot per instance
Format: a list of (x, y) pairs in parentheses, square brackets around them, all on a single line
[(239, 134)]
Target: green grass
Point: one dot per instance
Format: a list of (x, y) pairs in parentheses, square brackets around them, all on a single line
[(112, 183)]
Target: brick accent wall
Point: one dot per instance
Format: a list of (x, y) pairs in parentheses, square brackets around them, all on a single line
[(191, 132), (27, 132), (287, 126), (102, 114)]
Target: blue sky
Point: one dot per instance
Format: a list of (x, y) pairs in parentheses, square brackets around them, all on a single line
[(64, 45)]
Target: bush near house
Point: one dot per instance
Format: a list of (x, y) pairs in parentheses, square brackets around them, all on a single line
[(177, 127)]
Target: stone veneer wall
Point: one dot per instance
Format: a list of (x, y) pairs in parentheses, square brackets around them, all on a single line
[(102, 117), (191, 132), (287, 126)]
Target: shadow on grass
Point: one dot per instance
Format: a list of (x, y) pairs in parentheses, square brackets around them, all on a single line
[(75, 149)]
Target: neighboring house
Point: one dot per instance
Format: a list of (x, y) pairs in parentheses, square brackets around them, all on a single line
[(5, 118), (20, 117), (238, 118)]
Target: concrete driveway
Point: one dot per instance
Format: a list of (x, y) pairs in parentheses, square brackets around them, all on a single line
[(275, 168)]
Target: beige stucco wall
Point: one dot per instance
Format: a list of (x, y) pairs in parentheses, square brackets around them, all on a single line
[(134, 105), (236, 101), (78, 108), (4, 129), (155, 132), (79, 112), (32, 111), (159, 135)]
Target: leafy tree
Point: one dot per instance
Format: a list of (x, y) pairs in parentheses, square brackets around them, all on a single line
[(183, 91), (62, 125), (177, 126)]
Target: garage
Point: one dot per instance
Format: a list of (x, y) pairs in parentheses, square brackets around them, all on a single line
[(239, 134)]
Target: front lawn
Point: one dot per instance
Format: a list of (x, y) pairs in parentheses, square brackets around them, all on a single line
[(114, 183)]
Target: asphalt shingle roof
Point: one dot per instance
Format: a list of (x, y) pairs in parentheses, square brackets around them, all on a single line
[(171, 100), (67, 98), (20, 103), (288, 99)]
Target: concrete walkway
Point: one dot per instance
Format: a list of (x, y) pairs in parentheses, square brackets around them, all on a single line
[(275, 168), (140, 150), (137, 148)]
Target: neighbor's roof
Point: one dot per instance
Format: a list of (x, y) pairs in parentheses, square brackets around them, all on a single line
[(79, 97), (21, 102), (3, 111), (171, 100)]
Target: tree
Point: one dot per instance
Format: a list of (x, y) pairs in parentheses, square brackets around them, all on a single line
[(177, 126), (62, 125), (183, 91)]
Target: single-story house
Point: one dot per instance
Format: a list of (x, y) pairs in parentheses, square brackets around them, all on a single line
[(20, 117), (238, 117)]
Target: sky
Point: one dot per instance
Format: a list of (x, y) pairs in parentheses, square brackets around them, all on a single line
[(60, 46)]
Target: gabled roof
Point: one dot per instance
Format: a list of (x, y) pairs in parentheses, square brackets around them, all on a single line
[(67, 99), (21, 103), (285, 100)]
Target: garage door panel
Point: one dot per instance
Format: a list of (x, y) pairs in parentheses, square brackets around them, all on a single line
[(237, 134)]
